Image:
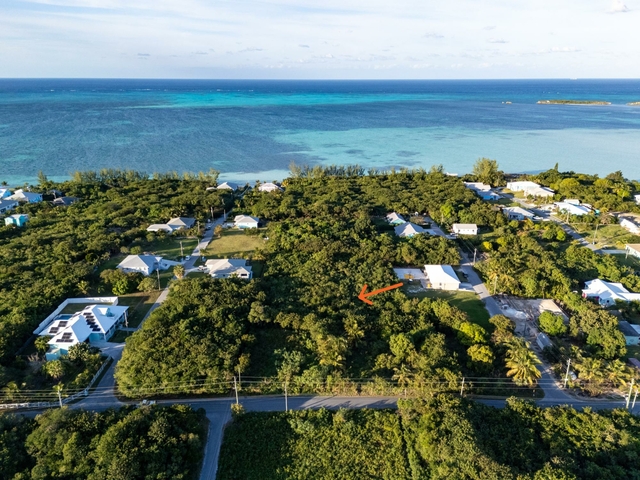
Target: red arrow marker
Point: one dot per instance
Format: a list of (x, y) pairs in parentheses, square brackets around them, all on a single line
[(364, 296)]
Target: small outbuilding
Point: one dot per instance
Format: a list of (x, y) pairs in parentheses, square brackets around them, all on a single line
[(441, 277), (246, 221), (464, 228), (408, 230), (19, 219)]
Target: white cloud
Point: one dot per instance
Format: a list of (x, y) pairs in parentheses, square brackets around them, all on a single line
[(618, 6), (490, 27), (433, 35), (496, 40), (303, 46)]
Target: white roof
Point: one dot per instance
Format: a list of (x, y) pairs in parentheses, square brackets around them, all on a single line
[(4, 192), (414, 273), (609, 291), (522, 184), (519, 210), (482, 187), (228, 266), (77, 328), (227, 186), (408, 229), (464, 226), (441, 274), (393, 216), (245, 219), (159, 226), (572, 208), (181, 222), (269, 187), (140, 261), (18, 216)]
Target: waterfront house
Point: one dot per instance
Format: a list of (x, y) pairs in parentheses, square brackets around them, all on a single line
[(227, 186), (246, 221), (7, 205), (409, 229), (26, 197), (483, 190), (395, 219), (269, 187), (229, 267), (531, 189), (464, 228), (441, 277), (606, 293), (19, 220)]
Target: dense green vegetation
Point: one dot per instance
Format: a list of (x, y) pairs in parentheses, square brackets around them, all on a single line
[(59, 252), (301, 322), (126, 444), (441, 438)]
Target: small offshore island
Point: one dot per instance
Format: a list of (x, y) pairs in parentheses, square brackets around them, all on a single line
[(573, 102), (634, 104)]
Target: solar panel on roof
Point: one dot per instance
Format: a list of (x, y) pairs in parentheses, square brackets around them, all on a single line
[(63, 323), (53, 330)]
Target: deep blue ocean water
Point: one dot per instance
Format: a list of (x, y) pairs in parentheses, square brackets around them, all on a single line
[(252, 130)]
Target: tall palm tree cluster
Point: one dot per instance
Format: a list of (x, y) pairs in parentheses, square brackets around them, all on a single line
[(595, 374), (522, 363)]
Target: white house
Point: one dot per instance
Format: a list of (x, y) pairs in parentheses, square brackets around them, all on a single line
[(26, 197), (633, 249), (483, 190), (18, 220), (464, 228), (269, 187), (395, 219), (637, 199), (409, 229), (517, 213), (572, 208), (246, 221), (229, 267), (631, 332), (631, 224), (227, 186), (441, 277), (94, 323), (172, 225), (606, 293), (145, 264), (530, 188)]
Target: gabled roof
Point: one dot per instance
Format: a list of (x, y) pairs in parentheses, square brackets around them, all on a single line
[(182, 222), (18, 216), (22, 195), (140, 261), (394, 217), (572, 208), (269, 187), (478, 186), (438, 274), (609, 291), (245, 219), (627, 330), (65, 200), (408, 229), (78, 328), (464, 226), (521, 211), (227, 186), (4, 192), (228, 266)]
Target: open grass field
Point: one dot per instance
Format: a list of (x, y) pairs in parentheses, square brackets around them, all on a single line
[(613, 235), (169, 247), (233, 243), (139, 304), (468, 302)]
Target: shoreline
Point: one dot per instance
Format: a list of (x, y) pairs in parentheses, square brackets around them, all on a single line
[(572, 102)]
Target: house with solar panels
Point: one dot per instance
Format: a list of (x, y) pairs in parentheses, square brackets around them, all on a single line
[(94, 323)]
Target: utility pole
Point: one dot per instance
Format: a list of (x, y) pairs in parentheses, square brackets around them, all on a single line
[(629, 396), (212, 213), (59, 389), (633, 405), (462, 387), (158, 274), (181, 249), (566, 377), (595, 233), (235, 387), (495, 284), (475, 251), (286, 400)]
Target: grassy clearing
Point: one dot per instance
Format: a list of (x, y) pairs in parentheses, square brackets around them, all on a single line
[(234, 243), (613, 235), (169, 247), (629, 261), (120, 336), (468, 302), (139, 305), (197, 275)]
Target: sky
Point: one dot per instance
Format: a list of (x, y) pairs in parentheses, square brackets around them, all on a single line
[(312, 39)]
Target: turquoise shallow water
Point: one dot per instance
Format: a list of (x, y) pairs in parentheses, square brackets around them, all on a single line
[(252, 130)]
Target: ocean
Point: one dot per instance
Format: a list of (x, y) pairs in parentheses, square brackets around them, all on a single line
[(252, 130)]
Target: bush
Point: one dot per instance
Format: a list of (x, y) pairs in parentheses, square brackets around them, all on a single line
[(552, 324)]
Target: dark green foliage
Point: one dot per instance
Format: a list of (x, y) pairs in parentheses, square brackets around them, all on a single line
[(323, 445), (125, 444), (552, 324)]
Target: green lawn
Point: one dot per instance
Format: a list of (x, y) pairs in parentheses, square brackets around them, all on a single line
[(630, 261), (120, 336), (613, 235), (139, 304), (169, 247), (468, 302), (197, 275), (234, 243)]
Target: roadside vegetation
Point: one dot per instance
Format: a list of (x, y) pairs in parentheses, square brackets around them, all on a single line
[(125, 444), (439, 438)]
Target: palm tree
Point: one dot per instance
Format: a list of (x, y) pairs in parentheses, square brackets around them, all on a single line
[(179, 272), (617, 373), (402, 376), (522, 364)]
